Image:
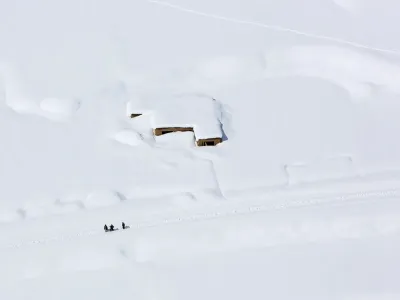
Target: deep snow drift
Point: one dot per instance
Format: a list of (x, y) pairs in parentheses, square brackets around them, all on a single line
[(306, 98), (292, 108)]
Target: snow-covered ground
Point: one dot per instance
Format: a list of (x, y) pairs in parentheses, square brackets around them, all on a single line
[(299, 201)]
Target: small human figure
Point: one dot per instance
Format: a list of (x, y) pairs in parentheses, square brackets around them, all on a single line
[(105, 228), (111, 227), (123, 225)]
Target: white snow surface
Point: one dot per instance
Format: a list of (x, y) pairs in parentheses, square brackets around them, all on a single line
[(299, 201)]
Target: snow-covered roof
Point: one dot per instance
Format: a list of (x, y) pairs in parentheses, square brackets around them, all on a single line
[(197, 112), (136, 106)]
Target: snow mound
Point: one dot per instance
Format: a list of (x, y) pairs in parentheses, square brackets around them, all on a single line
[(60, 107), (19, 103), (129, 137), (102, 198), (324, 169), (14, 93), (359, 73)]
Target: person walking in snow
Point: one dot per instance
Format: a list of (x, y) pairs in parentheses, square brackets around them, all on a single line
[(105, 228), (123, 225), (111, 227)]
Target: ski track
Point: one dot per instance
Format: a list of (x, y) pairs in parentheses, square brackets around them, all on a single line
[(273, 27), (243, 210)]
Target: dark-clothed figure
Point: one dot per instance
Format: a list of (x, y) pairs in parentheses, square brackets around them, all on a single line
[(111, 227), (105, 228)]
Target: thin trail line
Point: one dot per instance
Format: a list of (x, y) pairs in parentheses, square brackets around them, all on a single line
[(273, 27), (229, 211)]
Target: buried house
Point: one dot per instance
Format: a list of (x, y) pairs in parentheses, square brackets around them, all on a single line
[(132, 111), (184, 113), (211, 140), (189, 113)]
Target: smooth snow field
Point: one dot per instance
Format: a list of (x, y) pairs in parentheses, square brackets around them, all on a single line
[(300, 200)]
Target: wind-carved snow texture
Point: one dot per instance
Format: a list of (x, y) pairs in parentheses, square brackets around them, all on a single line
[(302, 192), (357, 72), (315, 61)]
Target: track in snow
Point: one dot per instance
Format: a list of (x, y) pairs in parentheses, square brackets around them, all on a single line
[(273, 27), (226, 210)]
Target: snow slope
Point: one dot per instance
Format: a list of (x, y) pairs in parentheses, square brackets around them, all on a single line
[(290, 248), (304, 185)]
